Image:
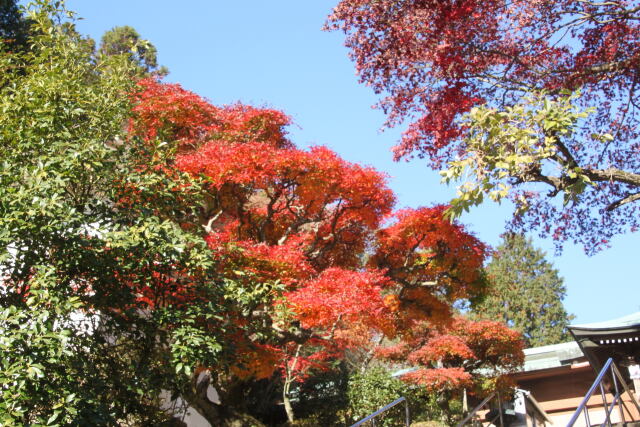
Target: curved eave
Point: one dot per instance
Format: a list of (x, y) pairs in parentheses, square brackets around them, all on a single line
[(622, 325)]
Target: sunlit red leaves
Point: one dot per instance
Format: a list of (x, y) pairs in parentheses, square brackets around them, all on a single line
[(433, 60), (425, 52), (245, 123), (442, 348), (279, 192), (493, 342), (396, 352), (438, 123), (463, 354), (306, 219), (355, 336), (401, 47), (438, 380), (423, 249), (299, 181), (285, 263), (342, 296), (169, 112)]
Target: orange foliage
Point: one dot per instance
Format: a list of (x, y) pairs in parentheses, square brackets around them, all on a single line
[(423, 248), (442, 348), (463, 354), (437, 380), (308, 220), (347, 296), (256, 362)]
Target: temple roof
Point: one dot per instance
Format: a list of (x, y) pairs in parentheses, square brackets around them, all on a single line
[(631, 321), (617, 338), (551, 356)]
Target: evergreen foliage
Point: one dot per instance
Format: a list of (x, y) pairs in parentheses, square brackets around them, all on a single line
[(78, 345), (14, 27), (373, 389), (125, 40), (526, 292)]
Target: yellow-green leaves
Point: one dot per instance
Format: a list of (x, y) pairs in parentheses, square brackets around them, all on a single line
[(521, 143)]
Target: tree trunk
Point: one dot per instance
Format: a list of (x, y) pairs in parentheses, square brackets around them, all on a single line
[(287, 405), (369, 357), (238, 419), (290, 374), (218, 415)]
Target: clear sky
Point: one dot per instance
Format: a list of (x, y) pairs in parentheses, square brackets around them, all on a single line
[(273, 53)]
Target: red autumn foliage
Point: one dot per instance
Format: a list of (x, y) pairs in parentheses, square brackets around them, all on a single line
[(442, 348), (438, 380), (463, 354), (345, 295), (171, 113), (301, 235), (433, 60), (425, 52), (420, 247), (435, 262), (168, 112)]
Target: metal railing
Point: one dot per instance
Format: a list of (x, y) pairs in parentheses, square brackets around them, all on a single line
[(380, 411), (617, 401), (482, 404)]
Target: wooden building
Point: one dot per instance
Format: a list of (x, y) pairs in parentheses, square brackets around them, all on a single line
[(559, 376)]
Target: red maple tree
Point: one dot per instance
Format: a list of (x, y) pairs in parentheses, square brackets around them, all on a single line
[(459, 356), (434, 60), (317, 260)]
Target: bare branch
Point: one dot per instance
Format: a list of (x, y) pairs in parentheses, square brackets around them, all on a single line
[(629, 199)]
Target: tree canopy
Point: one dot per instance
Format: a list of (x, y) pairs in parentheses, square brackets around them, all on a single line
[(152, 242), (525, 292), (301, 233), (14, 27), (78, 342), (125, 40), (476, 355), (534, 98)]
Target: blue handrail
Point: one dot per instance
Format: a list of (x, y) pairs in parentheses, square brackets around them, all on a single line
[(617, 379), (593, 387), (386, 408)]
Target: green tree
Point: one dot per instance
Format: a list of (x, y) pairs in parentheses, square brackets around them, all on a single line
[(374, 388), (14, 27), (80, 344), (525, 292), (125, 40)]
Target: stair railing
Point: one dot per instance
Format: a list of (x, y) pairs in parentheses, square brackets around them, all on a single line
[(620, 387), (475, 410), (372, 417)]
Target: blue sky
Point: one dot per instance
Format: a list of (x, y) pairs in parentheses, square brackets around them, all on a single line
[(273, 53)]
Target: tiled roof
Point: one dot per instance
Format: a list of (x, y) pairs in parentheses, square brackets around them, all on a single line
[(621, 322), (551, 356)]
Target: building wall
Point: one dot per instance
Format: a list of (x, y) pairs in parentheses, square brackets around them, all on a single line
[(559, 391)]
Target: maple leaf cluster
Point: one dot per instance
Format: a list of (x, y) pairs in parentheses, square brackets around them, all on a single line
[(462, 354), (317, 260), (442, 51), (433, 61)]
